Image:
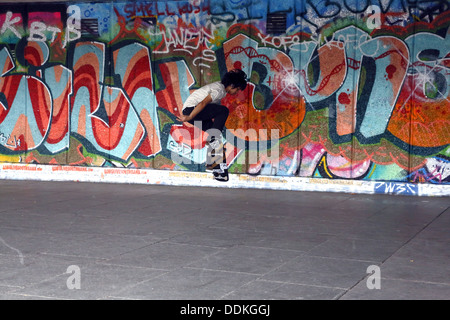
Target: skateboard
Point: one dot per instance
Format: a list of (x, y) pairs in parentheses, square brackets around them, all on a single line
[(216, 162)]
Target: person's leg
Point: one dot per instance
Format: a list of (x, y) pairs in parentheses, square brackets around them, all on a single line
[(201, 121), (220, 115), (213, 118), (215, 140)]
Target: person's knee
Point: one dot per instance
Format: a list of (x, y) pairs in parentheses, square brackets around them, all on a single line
[(226, 111)]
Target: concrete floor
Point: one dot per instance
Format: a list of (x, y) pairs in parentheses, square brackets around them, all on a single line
[(68, 240)]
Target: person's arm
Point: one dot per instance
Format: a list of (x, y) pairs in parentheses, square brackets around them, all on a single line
[(196, 111)]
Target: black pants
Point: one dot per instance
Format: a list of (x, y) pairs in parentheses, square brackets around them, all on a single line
[(213, 116)]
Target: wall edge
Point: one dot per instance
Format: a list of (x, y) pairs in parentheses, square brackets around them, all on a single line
[(10, 171)]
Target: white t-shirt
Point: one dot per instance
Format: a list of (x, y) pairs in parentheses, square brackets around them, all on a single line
[(216, 90)]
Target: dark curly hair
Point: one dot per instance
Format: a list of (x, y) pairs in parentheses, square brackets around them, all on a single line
[(236, 78)]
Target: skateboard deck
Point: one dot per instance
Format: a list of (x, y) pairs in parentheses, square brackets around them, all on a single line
[(216, 162)]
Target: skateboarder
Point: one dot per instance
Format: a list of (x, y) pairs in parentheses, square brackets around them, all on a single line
[(203, 109)]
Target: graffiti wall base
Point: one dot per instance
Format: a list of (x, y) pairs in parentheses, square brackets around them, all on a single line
[(200, 179)]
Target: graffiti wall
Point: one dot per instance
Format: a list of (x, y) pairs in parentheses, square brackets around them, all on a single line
[(342, 89)]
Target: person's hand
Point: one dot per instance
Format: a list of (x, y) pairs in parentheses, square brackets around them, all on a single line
[(183, 118)]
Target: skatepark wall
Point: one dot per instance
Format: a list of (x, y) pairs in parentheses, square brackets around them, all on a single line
[(346, 96)]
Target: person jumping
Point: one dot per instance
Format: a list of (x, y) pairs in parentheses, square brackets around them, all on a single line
[(203, 109)]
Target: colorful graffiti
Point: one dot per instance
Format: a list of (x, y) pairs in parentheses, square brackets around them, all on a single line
[(337, 89)]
